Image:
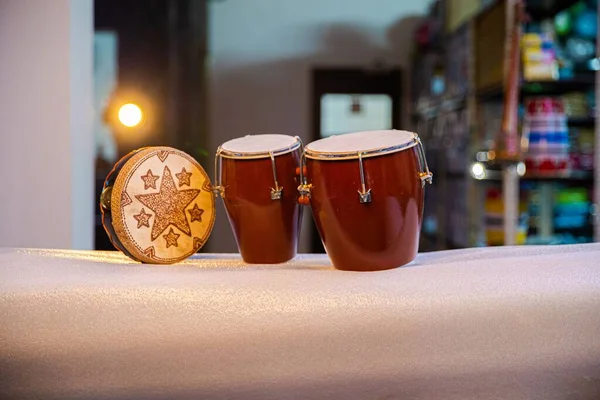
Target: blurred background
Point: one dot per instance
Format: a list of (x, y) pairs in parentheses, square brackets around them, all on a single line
[(84, 82)]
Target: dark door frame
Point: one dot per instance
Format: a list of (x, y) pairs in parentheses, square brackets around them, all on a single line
[(351, 80)]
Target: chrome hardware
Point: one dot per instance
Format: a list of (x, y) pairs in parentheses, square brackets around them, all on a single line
[(218, 190), (275, 192), (425, 175), (304, 188), (105, 198), (302, 163), (364, 195)]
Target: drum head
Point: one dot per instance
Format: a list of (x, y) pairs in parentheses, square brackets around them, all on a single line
[(161, 208), (258, 146), (369, 143)]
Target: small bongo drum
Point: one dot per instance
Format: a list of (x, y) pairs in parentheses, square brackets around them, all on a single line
[(256, 177), (157, 205), (366, 192)]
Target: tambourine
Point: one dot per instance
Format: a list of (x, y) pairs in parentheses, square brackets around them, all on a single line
[(158, 205)]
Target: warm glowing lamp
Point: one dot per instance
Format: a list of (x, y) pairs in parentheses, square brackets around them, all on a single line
[(130, 115)]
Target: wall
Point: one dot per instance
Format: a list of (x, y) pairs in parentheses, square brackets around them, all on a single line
[(46, 138), (262, 52)]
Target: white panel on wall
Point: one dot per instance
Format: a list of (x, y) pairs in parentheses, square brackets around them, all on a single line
[(343, 113), (46, 133)]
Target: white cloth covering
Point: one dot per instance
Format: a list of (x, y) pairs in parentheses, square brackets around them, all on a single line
[(490, 323)]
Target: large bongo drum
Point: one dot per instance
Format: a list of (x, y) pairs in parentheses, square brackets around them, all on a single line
[(366, 192), (256, 177)]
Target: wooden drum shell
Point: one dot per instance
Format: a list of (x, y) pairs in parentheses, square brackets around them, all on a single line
[(378, 235), (266, 230)]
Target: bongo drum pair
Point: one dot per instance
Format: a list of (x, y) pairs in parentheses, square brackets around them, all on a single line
[(365, 190)]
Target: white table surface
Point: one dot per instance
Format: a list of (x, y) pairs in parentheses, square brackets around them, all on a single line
[(491, 323)]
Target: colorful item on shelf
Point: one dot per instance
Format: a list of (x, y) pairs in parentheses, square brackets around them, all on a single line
[(580, 50), (586, 24), (494, 220), (571, 210), (539, 57), (563, 23), (438, 81), (430, 29), (571, 221), (576, 104), (580, 42), (582, 149), (546, 132), (566, 68), (590, 96)]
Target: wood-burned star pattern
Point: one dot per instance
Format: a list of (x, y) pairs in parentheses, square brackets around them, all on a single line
[(168, 207), (196, 213), (149, 180), (171, 238), (142, 218), (183, 177)]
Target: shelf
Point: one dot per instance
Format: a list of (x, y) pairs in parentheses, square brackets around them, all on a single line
[(488, 31), (578, 176), (491, 93), (580, 82), (587, 122), (556, 239), (542, 9), (542, 88), (565, 176), (434, 240)]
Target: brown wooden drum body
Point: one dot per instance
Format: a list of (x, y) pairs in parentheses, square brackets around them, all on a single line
[(382, 233), (266, 229)]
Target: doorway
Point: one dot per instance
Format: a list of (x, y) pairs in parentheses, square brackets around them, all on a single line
[(348, 100)]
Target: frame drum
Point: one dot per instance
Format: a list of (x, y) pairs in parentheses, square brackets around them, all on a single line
[(366, 192)]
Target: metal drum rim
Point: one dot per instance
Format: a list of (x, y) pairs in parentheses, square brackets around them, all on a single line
[(261, 154), (349, 155)]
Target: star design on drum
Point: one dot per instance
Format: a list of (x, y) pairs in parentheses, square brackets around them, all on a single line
[(171, 238), (168, 205), (196, 213), (142, 218), (149, 180), (183, 177)]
